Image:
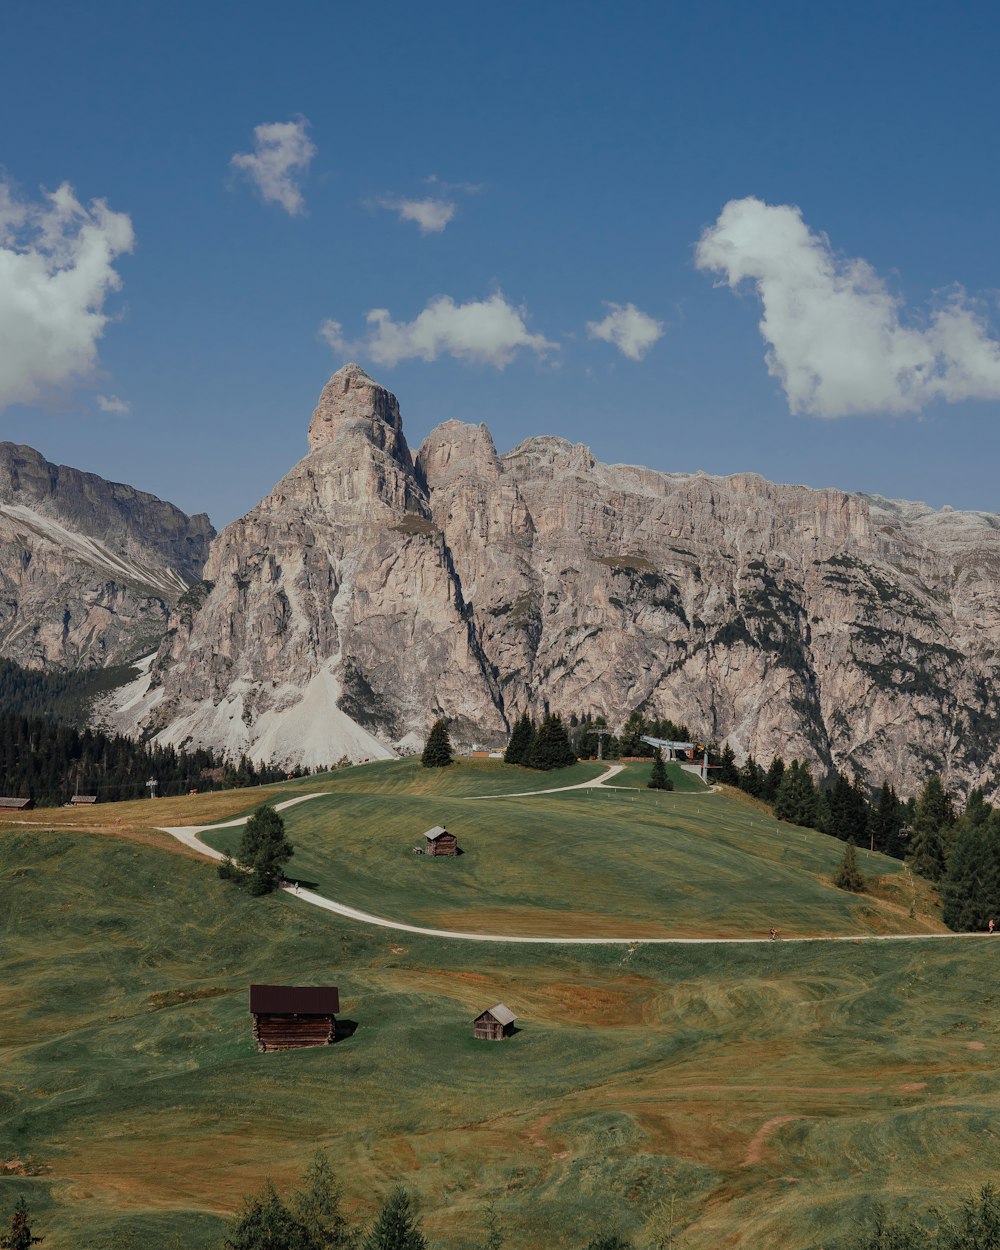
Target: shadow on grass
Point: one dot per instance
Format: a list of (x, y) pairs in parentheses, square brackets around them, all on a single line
[(344, 1029)]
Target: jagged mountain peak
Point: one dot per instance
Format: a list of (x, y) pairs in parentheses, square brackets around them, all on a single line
[(352, 402)]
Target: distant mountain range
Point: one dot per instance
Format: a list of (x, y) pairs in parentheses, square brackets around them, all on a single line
[(372, 591)]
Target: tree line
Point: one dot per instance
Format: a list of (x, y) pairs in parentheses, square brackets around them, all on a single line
[(48, 761), (313, 1218)]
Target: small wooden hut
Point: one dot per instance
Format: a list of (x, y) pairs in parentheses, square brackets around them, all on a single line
[(494, 1025), (82, 800), (441, 842), (287, 1017), (17, 805)]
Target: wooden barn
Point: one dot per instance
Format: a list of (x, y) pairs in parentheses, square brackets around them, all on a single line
[(494, 1025), (441, 842), (82, 800), (17, 805), (287, 1017)]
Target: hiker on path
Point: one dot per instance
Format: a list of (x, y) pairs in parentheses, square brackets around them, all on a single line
[(991, 926)]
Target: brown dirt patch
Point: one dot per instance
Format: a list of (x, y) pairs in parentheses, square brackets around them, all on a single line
[(631, 1000), (755, 1150), (975, 1045)]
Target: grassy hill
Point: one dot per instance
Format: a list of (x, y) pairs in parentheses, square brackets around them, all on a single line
[(771, 1091)]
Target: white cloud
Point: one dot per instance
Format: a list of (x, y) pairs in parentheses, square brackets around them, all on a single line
[(486, 331), (430, 215), (56, 270), (632, 331), (281, 155), (835, 336), (111, 403)]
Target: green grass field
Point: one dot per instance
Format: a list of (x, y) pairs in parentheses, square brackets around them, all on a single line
[(587, 863), (770, 1091)]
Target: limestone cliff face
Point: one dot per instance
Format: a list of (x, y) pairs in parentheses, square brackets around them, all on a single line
[(88, 568), (335, 622), (370, 593)]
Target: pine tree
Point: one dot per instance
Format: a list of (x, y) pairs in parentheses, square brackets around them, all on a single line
[(933, 816), (19, 1237), (886, 821), (396, 1226), (772, 779), (751, 779), (265, 1223), (848, 875), (551, 748), (519, 744), (658, 779), (728, 773), (264, 850), (437, 750), (971, 890), (317, 1207), (796, 800)]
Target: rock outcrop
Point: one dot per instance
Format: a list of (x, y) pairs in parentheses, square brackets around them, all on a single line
[(89, 569), (371, 593)]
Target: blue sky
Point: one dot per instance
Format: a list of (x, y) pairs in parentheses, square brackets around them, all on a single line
[(585, 156)]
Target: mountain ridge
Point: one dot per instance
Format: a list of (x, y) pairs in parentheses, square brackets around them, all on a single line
[(373, 590)]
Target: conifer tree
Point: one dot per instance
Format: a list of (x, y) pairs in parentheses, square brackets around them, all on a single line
[(751, 777), (317, 1207), (848, 875), (437, 749), (658, 778), (550, 748), (396, 1227), (19, 1237), (796, 800), (728, 773), (265, 1223), (933, 816), (772, 779), (886, 820), (264, 850), (519, 745)]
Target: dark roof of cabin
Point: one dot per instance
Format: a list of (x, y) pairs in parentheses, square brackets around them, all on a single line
[(18, 803), (294, 1000)]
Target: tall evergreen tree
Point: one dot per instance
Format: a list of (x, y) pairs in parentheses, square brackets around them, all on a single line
[(933, 817), (437, 749), (751, 777), (885, 823), (796, 800), (519, 745), (264, 850), (971, 890), (848, 810), (772, 779), (848, 875), (265, 1223), (658, 777), (728, 773), (551, 748), (19, 1237), (396, 1227), (317, 1207)]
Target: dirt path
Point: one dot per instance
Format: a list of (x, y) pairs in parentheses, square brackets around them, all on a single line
[(612, 771), (188, 835)]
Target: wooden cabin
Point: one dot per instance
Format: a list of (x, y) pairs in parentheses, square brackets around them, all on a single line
[(80, 800), (287, 1017), (494, 1025), (17, 805), (440, 842)]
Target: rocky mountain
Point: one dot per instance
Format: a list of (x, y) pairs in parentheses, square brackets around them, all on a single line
[(89, 569), (371, 592)]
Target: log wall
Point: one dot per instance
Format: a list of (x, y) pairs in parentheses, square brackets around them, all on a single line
[(293, 1032)]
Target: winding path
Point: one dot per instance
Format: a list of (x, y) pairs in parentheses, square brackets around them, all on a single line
[(189, 835)]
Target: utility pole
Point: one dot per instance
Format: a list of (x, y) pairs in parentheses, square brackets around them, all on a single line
[(151, 785), (601, 734)]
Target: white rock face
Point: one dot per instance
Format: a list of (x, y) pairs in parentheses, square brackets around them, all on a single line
[(88, 568), (368, 595)]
